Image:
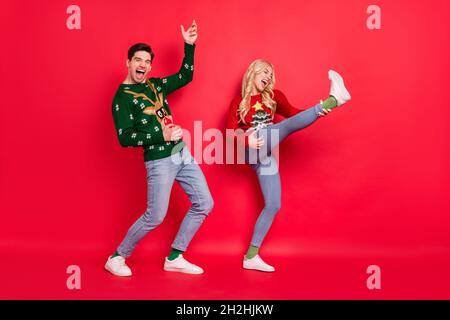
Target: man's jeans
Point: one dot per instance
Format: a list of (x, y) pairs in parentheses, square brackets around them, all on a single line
[(161, 174)]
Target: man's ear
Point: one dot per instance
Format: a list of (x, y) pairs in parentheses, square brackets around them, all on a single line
[(128, 63)]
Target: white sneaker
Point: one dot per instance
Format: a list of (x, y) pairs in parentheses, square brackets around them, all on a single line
[(180, 264), (338, 89), (256, 263), (118, 267)]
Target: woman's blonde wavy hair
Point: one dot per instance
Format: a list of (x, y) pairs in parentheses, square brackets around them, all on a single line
[(255, 68)]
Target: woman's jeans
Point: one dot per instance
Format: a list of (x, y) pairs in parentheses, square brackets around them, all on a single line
[(266, 167)]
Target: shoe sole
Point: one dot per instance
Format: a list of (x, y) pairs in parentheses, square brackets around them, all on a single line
[(116, 274), (249, 268), (340, 86), (182, 271)]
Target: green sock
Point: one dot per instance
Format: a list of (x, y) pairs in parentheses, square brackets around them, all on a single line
[(330, 103), (251, 252), (115, 254), (174, 254)]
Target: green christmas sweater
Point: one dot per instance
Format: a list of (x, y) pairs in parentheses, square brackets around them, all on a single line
[(141, 111)]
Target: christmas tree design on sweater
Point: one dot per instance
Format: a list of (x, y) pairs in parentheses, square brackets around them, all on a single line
[(260, 118)]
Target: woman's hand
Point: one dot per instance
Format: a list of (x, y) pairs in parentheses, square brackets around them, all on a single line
[(253, 141), (190, 35), (325, 112)]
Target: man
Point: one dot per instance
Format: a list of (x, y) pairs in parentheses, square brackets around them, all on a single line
[(143, 119)]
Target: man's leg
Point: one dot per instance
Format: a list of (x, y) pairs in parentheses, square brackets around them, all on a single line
[(160, 177), (193, 182)]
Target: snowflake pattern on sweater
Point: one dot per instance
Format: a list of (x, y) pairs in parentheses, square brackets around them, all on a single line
[(141, 111)]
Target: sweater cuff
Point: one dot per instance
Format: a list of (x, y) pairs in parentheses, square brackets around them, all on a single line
[(189, 48)]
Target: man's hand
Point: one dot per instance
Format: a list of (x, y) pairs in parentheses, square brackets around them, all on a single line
[(172, 133), (190, 35), (253, 141)]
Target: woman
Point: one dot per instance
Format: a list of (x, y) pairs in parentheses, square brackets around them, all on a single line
[(253, 112)]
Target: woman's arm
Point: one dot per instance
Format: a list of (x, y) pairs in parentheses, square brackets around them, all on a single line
[(284, 108)]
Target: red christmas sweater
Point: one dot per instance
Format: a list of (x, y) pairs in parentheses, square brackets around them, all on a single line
[(259, 115)]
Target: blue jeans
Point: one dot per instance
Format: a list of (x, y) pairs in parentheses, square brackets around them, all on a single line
[(266, 167), (271, 189), (161, 175)]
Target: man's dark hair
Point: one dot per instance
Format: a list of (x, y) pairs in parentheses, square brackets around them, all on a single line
[(140, 47)]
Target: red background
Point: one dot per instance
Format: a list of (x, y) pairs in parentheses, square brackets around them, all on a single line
[(368, 184)]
